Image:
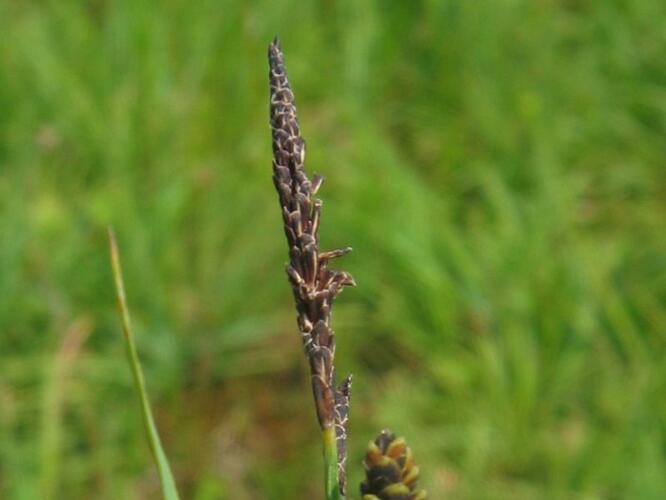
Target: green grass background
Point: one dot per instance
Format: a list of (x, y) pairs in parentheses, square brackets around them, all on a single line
[(498, 167)]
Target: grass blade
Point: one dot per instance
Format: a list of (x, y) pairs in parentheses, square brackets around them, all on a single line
[(166, 477)]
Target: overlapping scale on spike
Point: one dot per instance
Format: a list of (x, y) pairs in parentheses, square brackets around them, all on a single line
[(315, 286), (390, 470)]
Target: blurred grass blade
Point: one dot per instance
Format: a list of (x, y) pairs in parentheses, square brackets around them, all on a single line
[(53, 404), (166, 477)]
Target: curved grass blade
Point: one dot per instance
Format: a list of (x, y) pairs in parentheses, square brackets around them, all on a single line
[(166, 477)]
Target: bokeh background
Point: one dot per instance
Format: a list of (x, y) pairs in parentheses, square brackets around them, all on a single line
[(498, 167)]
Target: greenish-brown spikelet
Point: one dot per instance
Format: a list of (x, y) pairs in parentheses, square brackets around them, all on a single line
[(390, 470)]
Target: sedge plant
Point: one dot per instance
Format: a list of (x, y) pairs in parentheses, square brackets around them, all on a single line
[(389, 465)]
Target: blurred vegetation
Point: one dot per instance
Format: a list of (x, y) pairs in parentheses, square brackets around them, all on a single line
[(498, 168)]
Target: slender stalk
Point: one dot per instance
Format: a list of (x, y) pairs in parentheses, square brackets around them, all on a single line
[(314, 285), (166, 477), (331, 465)]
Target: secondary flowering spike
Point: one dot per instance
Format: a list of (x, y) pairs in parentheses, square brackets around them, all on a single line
[(390, 470), (314, 285)]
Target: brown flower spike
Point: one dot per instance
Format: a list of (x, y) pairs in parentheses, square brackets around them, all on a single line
[(390, 470), (314, 284)]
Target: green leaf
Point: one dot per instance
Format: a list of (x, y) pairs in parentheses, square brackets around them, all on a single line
[(166, 477)]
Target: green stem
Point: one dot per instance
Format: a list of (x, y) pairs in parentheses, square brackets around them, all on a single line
[(331, 465), (166, 477)]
